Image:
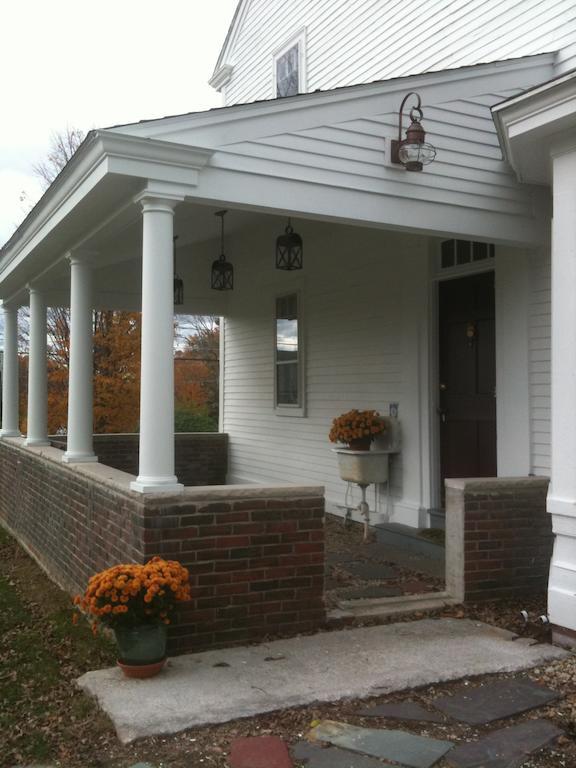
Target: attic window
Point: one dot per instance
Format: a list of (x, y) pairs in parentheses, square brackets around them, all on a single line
[(289, 77), (287, 72)]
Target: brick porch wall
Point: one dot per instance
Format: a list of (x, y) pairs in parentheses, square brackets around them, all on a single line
[(255, 553), (504, 534), (201, 458)]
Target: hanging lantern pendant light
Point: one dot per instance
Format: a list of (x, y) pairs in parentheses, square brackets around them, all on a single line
[(289, 250), (178, 282), (222, 270)]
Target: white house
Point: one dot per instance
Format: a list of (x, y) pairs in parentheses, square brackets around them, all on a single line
[(425, 293)]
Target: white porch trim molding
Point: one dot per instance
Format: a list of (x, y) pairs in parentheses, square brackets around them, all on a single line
[(538, 134), (156, 461), (37, 430), (80, 377), (10, 420)]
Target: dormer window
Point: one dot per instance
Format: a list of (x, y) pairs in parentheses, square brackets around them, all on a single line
[(289, 76)]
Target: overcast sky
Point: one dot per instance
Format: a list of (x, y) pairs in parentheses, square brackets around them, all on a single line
[(90, 65)]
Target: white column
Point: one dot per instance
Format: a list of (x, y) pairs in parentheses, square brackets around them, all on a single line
[(562, 492), (156, 470), (80, 373), (37, 372), (10, 374)]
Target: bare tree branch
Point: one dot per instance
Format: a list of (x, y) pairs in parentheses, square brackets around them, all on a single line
[(62, 147)]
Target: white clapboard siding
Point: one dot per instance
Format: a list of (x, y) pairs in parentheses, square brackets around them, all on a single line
[(539, 361), (365, 306), (468, 173), (360, 325), (566, 60), (358, 41)]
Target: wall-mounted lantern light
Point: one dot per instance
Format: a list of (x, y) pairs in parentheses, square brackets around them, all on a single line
[(413, 152), (222, 270), (289, 250), (178, 282)]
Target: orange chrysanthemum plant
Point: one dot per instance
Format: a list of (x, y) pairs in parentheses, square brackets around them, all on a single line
[(358, 428), (132, 595)]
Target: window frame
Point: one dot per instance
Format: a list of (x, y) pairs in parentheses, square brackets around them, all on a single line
[(287, 409), (299, 39)]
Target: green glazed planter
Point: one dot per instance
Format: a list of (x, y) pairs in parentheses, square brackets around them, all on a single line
[(138, 646)]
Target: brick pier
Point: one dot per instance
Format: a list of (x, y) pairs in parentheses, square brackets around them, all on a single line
[(499, 537)]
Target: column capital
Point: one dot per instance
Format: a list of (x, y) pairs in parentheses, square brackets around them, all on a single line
[(81, 256), (150, 201), (33, 287)]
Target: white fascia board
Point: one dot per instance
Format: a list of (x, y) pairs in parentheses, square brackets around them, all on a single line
[(120, 147), (231, 35), (103, 154), (320, 201), (542, 113), (239, 121), (221, 77)]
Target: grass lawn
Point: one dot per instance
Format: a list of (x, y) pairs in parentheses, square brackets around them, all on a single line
[(42, 716)]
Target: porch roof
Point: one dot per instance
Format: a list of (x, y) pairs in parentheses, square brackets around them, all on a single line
[(319, 156)]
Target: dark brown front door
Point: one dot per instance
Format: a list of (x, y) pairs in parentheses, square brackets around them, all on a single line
[(467, 377)]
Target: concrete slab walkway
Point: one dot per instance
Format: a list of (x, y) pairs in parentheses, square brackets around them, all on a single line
[(217, 686)]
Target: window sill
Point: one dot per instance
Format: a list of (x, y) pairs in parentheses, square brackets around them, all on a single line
[(290, 410)]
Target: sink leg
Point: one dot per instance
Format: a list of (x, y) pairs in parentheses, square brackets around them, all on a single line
[(364, 510)]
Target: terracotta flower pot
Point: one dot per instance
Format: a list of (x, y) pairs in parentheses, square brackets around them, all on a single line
[(141, 649), (141, 671)]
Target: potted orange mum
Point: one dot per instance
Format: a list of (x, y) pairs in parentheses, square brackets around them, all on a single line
[(137, 602), (357, 429)]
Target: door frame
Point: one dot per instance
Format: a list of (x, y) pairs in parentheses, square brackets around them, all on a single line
[(439, 275)]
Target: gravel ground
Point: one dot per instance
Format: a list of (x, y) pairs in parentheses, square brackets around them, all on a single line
[(209, 746), (84, 738)]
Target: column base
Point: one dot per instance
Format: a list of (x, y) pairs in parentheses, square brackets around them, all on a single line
[(36, 442), (564, 637), (156, 485), (10, 433), (562, 580), (79, 458)]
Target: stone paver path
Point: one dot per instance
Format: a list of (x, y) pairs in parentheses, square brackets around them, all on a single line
[(408, 749), (371, 571), (402, 710), (331, 757), (259, 752), (505, 748), (495, 700)]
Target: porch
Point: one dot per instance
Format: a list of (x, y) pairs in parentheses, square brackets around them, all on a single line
[(363, 314)]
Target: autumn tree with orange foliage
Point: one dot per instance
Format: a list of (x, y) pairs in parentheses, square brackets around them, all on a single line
[(197, 369), (116, 371)]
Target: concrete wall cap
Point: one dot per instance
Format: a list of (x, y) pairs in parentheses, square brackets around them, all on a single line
[(485, 485)]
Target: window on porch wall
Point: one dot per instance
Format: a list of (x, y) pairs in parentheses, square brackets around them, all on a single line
[(287, 352)]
